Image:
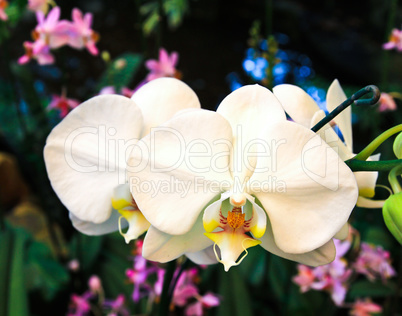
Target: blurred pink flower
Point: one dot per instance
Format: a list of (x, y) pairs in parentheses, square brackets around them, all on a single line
[(365, 308), (3, 14), (395, 41), (164, 67), (79, 305), (38, 50), (331, 277), (374, 262), (73, 265), (387, 103), (95, 284), (38, 5), (63, 104), (50, 30), (81, 34), (117, 306)]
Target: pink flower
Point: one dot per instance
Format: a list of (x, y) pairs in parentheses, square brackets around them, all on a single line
[(374, 262), (117, 306), (38, 5), (387, 103), (305, 278), (38, 50), (3, 14), (79, 305), (365, 308), (50, 30), (81, 34), (73, 265), (95, 284), (111, 90), (62, 104), (164, 67), (331, 278), (395, 41)]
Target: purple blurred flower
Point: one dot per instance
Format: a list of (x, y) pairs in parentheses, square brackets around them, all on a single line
[(395, 41), (374, 262), (164, 67)]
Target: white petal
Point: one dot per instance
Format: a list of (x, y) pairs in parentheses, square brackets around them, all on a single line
[(335, 96), (249, 110), (307, 191), (366, 180), (211, 215), (297, 103), (343, 233), (368, 203), (320, 256), (162, 247), (205, 256), (160, 99), (89, 228), (328, 134), (187, 167), (85, 154), (258, 222)]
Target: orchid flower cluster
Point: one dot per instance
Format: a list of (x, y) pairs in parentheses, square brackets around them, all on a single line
[(93, 299), (52, 33), (336, 277), (147, 278)]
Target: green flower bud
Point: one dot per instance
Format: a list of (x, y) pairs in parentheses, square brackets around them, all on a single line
[(392, 213), (398, 146)]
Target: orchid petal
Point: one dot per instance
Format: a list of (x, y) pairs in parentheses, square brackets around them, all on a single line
[(211, 215), (160, 99), (366, 180), (190, 159), (137, 224), (335, 96), (84, 157), (368, 203), (205, 256), (297, 103), (162, 247), (320, 256), (328, 134), (89, 228), (249, 110), (52, 17), (343, 233), (259, 220), (313, 191), (231, 246)]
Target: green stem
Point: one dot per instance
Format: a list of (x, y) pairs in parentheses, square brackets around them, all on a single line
[(349, 101), (393, 180), (360, 165), (165, 300), (370, 148)]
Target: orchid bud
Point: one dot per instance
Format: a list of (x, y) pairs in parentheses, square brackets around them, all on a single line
[(398, 146), (392, 213)]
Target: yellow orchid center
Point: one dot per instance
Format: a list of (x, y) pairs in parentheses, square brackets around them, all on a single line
[(123, 202), (233, 239)]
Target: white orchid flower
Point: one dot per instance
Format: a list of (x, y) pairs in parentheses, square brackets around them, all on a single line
[(86, 154), (305, 111), (238, 178)]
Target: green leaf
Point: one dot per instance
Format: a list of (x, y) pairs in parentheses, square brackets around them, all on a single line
[(86, 249), (366, 288), (5, 262), (278, 277), (121, 71), (18, 298), (43, 272), (236, 300)]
